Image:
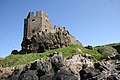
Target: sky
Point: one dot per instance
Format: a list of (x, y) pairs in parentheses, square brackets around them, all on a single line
[(92, 22)]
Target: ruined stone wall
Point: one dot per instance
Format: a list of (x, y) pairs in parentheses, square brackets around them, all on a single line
[(39, 36), (34, 24), (46, 23)]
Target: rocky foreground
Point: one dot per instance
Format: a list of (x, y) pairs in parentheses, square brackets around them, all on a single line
[(78, 67)]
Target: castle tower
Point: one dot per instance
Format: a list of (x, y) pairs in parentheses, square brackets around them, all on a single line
[(34, 24), (39, 35)]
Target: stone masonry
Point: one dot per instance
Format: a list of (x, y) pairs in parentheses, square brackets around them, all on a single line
[(39, 36)]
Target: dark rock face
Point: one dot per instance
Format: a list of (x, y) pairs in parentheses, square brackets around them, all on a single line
[(47, 41), (28, 75), (64, 75), (117, 47), (89, 74), (57, 62), (101, 71), (47, 77), (52, 69), (75, 68)]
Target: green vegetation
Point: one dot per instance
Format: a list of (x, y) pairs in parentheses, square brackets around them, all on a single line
[(1, 59), (109, 49), (67, 52), (106, 51), (114, 44), (18, 59), (95, 54)]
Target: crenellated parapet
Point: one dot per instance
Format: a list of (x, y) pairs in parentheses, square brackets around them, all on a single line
[(37, 23)]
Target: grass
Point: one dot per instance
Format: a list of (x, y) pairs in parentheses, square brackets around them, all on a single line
[(18, 59), (95, 54), (113, 44), (1, 59), (13, 60)]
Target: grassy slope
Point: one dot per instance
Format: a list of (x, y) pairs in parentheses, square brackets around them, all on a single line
[(18, 59), (114, 44)]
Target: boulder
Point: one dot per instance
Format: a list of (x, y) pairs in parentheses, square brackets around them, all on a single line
[(64, 75), (89, 74), (99, 66), (5, 72), (15, 52), (117, 57), (89, 47), (17, 71), (47, 77), (42, 67), (76, 62), (112, 77), (56, 61), (28, 75), (117, 67)]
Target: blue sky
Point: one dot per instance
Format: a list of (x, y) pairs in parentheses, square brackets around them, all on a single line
[(92, 22)]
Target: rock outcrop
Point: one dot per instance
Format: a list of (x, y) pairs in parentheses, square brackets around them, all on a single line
[(46, 41), (39, 36), (116, 46), (78, 67)]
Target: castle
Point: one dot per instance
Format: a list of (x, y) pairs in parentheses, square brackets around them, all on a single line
[(37, 23), (40, 36)]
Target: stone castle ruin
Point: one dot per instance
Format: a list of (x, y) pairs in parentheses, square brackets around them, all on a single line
[(39, 36)]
